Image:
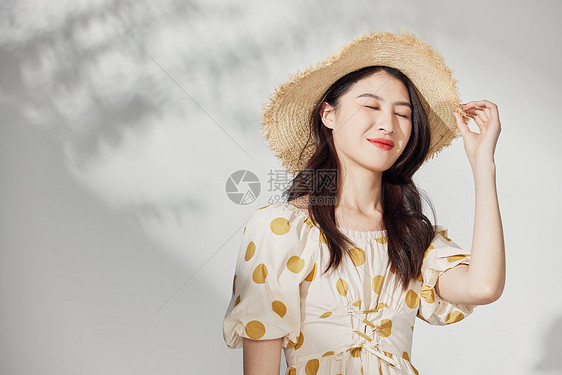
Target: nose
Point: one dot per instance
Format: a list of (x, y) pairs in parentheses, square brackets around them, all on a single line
[(385, 121)]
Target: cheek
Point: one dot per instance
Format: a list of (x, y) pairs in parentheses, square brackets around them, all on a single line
[(349, 137), (407, 131), (350, 132)]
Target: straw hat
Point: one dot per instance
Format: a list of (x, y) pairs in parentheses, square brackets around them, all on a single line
[(285, 116)]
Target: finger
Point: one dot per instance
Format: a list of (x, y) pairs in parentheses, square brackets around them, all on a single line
[(480, 103), (475, 106), (487, 111), (479, 122), (475, 117), (480, 114), (480, 111), (490, 108), (463, 127), (483, 109)]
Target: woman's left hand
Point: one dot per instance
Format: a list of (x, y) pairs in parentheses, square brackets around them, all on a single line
[(480, 147)]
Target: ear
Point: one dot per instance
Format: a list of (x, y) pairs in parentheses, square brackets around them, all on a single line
[(328, 115)]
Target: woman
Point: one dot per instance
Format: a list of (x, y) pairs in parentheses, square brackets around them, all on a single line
[(337, 274)]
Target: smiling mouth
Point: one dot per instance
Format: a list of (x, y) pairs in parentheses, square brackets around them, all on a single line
[(382, 145)]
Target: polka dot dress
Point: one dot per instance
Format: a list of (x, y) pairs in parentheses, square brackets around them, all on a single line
[(354, 320)]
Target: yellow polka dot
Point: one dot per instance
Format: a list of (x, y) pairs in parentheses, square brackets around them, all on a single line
[(454, 258), (454, 317), (292, 371), (300, 341), (261, 208), (323, 238), (234, 285), (255, 329), (260, 273), (309, 222), (312, 274), (406, 356), (412, 299), (385, 328), (250, 250), (443, 234), (280, 226), (244, 231), (420, 277), (382, 240), (237, 300), (357, 303), (341, 286), (331, 352), (326, 314), (377, 283), (415, 370), (380, 305), (427, 294), (357, 256), (389, 355), (295, 264), (356, 352), (428, 250), (298, 344), (279, 308), (312, 367), (380, 370)]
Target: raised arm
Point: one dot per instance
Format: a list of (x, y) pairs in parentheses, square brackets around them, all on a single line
[(482, 281)]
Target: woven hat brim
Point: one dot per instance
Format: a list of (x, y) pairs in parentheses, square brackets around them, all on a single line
[(285, 116)]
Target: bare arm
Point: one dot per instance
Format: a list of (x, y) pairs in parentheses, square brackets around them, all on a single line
[(262, 357), (482, 281)]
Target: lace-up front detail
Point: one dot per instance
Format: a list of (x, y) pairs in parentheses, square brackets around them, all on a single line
[(368, 327)]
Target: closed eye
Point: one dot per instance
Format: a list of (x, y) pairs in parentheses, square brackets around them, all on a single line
[(378, 108)]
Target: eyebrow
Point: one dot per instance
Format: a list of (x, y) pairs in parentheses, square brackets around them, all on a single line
[(369, 95)]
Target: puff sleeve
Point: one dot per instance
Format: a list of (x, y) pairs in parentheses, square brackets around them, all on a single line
[(272, 262), (441, 255)]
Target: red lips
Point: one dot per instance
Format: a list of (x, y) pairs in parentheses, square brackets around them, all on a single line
[(382, 140)]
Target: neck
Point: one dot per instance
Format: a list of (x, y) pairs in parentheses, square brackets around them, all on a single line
[(360, 191)]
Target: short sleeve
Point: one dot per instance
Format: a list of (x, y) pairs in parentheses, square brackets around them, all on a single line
[(441, 255), (275, 257)]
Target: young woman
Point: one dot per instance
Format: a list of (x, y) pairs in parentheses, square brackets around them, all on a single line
[(337, 274)]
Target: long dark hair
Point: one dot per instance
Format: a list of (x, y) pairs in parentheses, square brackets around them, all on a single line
[(409, 231)]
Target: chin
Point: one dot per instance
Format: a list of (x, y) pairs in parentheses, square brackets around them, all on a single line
[(376, 167)]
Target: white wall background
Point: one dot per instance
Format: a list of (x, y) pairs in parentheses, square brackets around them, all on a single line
[(121, 121)]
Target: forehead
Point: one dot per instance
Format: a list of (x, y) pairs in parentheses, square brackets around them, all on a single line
[(381, 84)]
